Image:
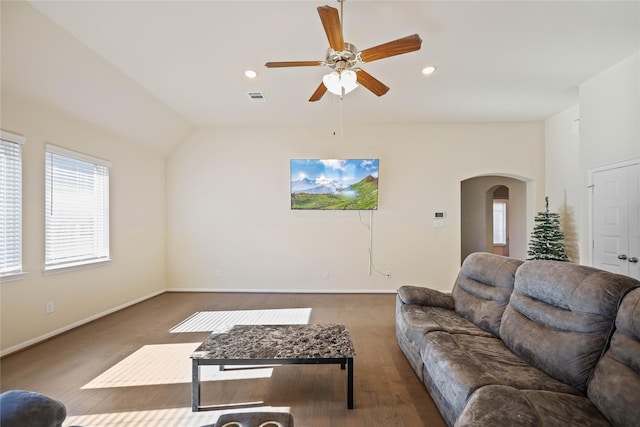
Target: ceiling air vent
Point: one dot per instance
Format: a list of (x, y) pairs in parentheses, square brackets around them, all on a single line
[(256, 97)]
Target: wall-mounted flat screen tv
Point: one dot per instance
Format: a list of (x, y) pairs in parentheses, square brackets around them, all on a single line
[(334, 184)]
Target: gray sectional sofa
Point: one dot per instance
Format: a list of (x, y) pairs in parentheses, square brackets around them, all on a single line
[(535, 343)]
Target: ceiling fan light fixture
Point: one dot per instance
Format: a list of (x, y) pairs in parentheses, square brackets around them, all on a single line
[(348, 78), (332, 82), (335, 81)]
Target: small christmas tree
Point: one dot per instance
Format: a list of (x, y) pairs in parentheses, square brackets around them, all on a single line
[(547, 241)]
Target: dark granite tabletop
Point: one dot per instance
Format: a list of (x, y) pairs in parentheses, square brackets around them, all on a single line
[(278, 342)]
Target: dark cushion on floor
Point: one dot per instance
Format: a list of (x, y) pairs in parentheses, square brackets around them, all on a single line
[(256, 419), (19, 408)]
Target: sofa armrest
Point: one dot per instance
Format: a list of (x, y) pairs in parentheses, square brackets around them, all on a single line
[(410, 294)]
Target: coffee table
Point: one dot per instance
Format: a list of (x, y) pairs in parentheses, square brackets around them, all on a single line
[(275, 344)]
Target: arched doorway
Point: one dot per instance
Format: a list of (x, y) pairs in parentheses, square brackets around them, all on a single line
[(477, 197)]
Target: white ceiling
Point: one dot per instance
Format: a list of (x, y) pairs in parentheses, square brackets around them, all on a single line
[(160, 68)]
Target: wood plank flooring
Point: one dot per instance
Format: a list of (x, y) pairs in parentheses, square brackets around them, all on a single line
[(127, 369)]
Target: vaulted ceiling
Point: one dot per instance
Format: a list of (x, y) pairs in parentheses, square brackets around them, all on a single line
[(152, 70)]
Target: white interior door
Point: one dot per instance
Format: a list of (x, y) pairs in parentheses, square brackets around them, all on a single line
[(616, 219)]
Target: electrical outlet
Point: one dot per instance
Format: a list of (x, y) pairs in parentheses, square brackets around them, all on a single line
[(326, 275), (50, 308)]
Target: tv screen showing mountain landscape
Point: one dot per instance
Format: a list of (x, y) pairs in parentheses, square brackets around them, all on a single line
[(334, 184)]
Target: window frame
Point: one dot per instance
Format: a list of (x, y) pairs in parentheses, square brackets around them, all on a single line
[(503, 222), (17, 271), (102, 255)]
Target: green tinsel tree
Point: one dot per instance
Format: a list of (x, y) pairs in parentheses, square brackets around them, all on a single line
[(547, 241)]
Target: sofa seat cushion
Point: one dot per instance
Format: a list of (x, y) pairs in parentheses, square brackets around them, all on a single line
[(504, 406), (414, 321), (455, 365), (418, 320)]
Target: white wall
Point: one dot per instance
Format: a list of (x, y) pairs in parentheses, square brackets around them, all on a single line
[(48, 63), (564, 182), (562, 158), (137, 221), (228, 207), (609, 113)]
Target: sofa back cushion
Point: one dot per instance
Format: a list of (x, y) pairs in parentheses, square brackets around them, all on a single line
[(561, 316), (615, 386), (483, 288)]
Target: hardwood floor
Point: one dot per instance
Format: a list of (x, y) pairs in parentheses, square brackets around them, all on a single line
[(127, 369)]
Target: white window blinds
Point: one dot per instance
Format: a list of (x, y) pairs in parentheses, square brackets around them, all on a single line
[(77, 208), (10, 203), (499, 222)]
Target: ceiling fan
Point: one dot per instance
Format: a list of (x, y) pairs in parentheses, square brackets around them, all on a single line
[(344, 58)]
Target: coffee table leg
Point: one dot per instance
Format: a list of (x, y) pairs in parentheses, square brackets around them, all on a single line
[(350, 383), (195, 386)]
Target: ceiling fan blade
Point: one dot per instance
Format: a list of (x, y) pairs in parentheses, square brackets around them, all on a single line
[(396, 47), (293, 64), (322, 89), (331, 23), (371, 83)]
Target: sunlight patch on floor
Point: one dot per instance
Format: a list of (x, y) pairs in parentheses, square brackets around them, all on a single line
[(166, 364), (175, 417), (222, 321)]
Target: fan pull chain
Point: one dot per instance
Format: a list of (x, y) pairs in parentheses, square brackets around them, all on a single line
[(338, 112), (341, 121)]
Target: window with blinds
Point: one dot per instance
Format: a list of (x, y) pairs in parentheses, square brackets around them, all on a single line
[(10, 203), (499, 222), (76, 210)]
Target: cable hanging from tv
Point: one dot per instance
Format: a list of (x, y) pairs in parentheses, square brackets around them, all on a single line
[(369, 226)]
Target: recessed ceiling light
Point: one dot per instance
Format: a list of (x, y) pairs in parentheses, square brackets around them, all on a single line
[(250, 73), (428, 70)]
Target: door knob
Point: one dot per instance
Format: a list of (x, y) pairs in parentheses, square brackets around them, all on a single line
[(622, 257), (633, 259)]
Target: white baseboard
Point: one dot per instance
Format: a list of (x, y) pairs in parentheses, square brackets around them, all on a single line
[(75, 325), (286, 291)]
